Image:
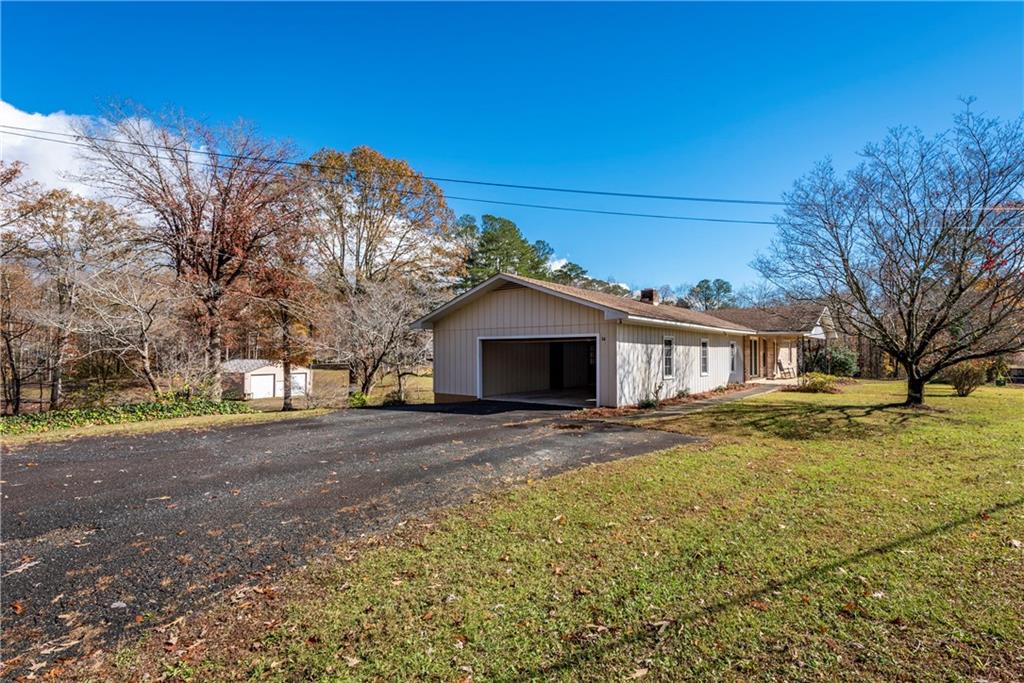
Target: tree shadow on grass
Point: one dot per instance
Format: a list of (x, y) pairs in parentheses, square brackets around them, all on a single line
[(571, 661), (807, 421)]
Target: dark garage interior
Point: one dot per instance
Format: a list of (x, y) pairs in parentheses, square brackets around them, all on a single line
[(560, 372)]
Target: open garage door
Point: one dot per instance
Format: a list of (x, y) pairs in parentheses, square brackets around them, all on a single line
[(559, 371)]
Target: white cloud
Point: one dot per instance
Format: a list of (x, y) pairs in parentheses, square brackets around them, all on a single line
[(52, 164), (556, 263)]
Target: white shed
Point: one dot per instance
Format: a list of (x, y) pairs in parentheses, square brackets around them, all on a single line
[(259, 378)]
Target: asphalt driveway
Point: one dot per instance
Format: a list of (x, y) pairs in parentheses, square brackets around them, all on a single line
[(104, 536)]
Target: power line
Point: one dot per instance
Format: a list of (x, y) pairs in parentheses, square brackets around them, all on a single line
[(548, 207), (515, 186)]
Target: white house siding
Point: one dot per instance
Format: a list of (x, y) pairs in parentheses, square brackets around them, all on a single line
[(640, 349), (515, 312)]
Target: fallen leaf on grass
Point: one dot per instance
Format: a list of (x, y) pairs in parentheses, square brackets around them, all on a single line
[(639, 673)]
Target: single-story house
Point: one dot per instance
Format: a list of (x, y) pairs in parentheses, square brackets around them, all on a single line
[(259, 378), (517, 338)]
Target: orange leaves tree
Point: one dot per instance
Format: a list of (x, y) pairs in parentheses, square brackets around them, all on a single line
[(385, 248), (919, 249), (209, 200)]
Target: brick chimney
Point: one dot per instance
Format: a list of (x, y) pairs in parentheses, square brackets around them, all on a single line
[(649, 296)]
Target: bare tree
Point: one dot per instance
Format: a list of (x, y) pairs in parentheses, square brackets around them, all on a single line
[(209, 199), (760, 294), (127, 305), (63, 239), (920, 249), (379, 319), (24, 347)]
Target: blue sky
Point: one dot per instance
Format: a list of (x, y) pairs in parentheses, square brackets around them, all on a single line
[(726, 100)]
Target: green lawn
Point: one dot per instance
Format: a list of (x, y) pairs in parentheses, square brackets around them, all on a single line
[(814, 537)]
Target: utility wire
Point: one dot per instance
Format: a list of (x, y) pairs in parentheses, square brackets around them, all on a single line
[(307, 164), (516, 186), (547, 207)]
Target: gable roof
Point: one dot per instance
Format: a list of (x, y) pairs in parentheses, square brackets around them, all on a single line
[(244, 364), (792, 318), (614, 307)]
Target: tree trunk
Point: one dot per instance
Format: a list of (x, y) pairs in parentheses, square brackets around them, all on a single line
[(915, 388), (56, 372), (147, 369), (287, 403), (213, 353), (56, 384)]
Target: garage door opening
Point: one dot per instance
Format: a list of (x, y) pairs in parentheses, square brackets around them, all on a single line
[(561, 372)]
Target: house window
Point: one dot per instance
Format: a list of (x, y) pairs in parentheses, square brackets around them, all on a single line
[(732, 356), (667, 357), (703, 357)]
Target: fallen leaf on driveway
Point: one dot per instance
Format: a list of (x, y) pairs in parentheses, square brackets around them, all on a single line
[(18, 607), (22, 567)]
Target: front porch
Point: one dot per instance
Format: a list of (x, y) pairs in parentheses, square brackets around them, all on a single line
[(770, 358), (777, 359)]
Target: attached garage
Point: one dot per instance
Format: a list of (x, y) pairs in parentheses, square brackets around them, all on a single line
[(513, 338), (556, 370), (252, 378)]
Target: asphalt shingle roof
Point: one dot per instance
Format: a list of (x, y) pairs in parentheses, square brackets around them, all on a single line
[(633, 307), (244, 364), (792, 318)]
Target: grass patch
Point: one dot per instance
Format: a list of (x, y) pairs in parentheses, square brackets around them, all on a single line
[(814, 536)]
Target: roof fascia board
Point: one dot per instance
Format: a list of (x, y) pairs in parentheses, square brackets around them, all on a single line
[(426, 322), (655, 322)]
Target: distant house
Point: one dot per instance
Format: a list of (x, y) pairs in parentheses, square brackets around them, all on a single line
[(1016, 362), (516, 338), (258, 378)]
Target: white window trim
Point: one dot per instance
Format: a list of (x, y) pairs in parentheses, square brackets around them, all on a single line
[(672, 340), (705, 354), (732, 356)]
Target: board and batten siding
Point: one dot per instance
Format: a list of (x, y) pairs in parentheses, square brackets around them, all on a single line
[(515, 312), (640, 358)]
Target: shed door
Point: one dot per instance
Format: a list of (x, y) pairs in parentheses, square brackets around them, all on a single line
[(298, 383), (261, 386)]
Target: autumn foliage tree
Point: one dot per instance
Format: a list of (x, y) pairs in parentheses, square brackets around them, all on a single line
[(919, 249), (209, 201), (286, 297), (384, 242)]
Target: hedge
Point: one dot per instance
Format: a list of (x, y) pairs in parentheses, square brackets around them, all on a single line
[(131, 412)]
